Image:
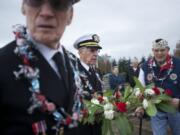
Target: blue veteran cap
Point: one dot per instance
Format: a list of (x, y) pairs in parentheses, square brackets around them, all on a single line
[(91, 40)]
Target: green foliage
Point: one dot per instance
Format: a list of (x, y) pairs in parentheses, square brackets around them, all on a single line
[(107, 127), (166, 107), (108, 93), (155, 102), (164, 97), (138, 84), (123, 125), (92, 111), (127, 93), (151, 109)]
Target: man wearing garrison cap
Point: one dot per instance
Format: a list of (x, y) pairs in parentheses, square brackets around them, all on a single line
[(88, 49), (163, 71)]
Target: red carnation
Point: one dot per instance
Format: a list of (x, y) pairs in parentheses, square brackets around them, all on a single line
[(168, 92), (121, 106), (156, 91), (40, 97), (50, 107), (100, 99), (68, 120), (117, 94), (26, 61)]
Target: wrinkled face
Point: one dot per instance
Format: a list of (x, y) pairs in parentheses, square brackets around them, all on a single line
[(88, 55), (46, 21), (160, 54)]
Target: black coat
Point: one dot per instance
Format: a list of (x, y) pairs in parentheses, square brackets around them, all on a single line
[(88, 129), (92, 78), (15, 94), (131, 73)]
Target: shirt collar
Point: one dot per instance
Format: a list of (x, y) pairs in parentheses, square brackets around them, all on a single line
[(46, 51), (84, 65)]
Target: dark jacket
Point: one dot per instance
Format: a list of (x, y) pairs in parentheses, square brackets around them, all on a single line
[(131, 73), (116, 81), (15, 94), (88, 129), (93, 78), (171, 82)]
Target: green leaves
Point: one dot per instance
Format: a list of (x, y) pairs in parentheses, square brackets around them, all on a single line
[(151, 109), (123, 125), (108, 93), (138, 84), (163, 97), (127, 93), (92, 110), (107, 127), (166, 107)]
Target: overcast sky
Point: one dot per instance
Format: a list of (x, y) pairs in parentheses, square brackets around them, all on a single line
[(126, 27)]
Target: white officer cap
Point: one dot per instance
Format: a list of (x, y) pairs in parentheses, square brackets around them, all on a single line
[(91, 40)]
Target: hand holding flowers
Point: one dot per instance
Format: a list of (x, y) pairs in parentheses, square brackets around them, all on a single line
[(153, 98)]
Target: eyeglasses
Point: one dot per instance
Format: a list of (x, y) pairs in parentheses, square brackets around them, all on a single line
[(59, 5)]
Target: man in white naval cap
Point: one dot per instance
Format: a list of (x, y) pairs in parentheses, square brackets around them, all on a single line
[(163, 71), (88, 49)]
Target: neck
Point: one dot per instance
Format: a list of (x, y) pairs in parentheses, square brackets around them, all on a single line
[(160, 63), (55, 45), (52, 45)]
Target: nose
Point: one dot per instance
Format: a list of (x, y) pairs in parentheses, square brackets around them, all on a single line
[(46, 10), (159, 52)]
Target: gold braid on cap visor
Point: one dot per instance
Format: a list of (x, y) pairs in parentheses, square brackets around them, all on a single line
[(89, 44)]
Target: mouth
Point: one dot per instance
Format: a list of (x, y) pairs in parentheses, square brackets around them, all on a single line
[(45, 26), (94, 59)]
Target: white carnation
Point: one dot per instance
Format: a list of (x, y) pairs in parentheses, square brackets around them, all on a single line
[(137, 92), (95, 101), (109, 114), (149, 92), (105, 99), (145, 103), (108, 106)]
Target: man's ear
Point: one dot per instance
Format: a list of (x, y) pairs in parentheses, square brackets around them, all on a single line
[(70, 16), (79, 51)]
